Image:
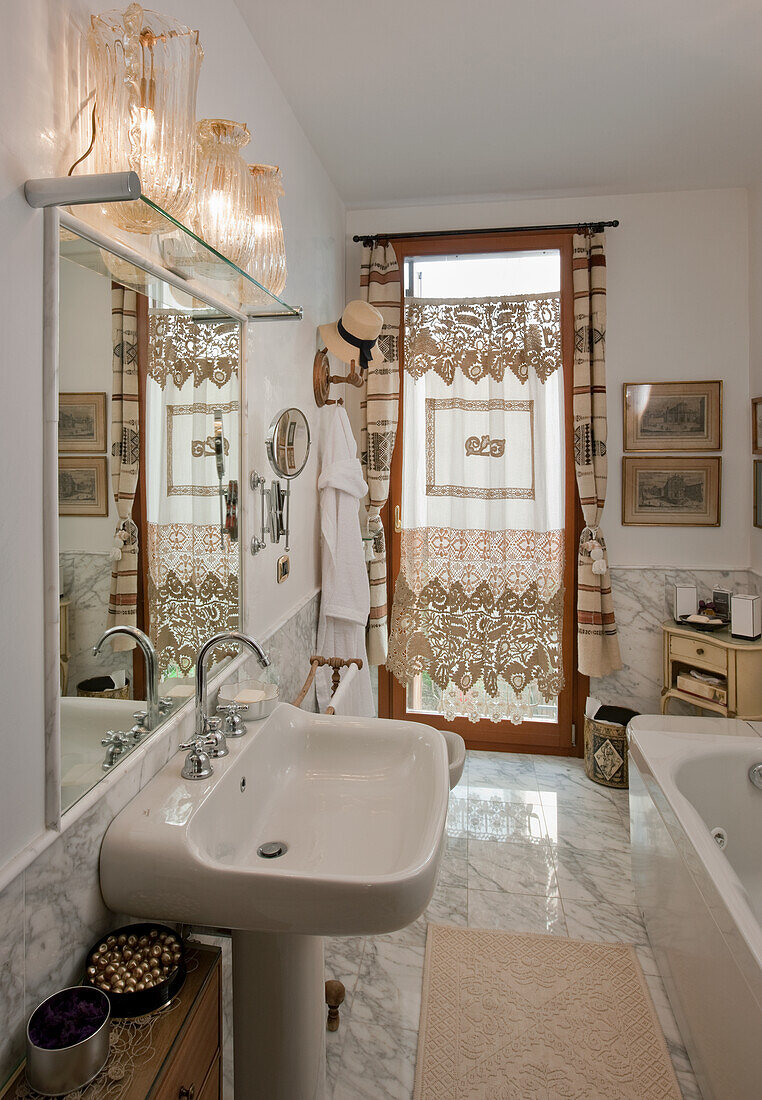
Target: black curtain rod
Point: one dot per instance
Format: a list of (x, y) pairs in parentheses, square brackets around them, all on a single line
[(596, 227)]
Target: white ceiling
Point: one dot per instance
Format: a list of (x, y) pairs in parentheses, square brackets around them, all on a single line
[(409, 100)]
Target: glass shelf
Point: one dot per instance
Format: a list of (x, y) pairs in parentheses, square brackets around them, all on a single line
[(161, 295), (178, 249)]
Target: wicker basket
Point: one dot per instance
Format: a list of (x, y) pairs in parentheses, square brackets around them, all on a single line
[(103, 693), (606, 753)]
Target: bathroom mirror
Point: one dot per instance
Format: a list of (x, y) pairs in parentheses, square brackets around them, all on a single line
[(288, 443), (148, 475), (288, 448)]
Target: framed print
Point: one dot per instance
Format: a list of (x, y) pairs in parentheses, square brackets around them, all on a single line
[(756, 426), (672, 416), (671, 492), (82, 423), (82, 486), (758, 493)]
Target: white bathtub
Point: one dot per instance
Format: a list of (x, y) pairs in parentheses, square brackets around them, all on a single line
[(702, 905)]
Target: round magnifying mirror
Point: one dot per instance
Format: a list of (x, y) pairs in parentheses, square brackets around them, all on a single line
[(288, 443)]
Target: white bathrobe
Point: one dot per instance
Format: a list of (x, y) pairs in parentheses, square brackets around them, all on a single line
[(345, 601)]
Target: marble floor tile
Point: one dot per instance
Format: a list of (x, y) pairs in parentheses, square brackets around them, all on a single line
[(533, 846), (567, 779), (515, 912), (517, 868), (590, 826), (457, 813), (343, 956), (453, 869), (495, 819), (449, 905), (593, 877), (510, 777), (388, 989), (603, 922), (377, 1062)]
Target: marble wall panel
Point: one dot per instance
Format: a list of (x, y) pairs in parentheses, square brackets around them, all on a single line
[(52, 912)]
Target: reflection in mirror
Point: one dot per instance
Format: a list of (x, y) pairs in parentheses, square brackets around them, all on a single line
[(149, 464), (288, 443)]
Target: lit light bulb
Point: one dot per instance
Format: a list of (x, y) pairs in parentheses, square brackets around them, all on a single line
[(147, 126)]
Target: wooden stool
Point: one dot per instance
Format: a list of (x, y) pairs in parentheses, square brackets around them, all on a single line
[(334, 996)]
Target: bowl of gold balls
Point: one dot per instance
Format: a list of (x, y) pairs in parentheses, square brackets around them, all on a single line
[(140, 968)]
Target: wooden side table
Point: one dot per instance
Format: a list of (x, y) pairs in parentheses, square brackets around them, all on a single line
[(173, 1054), (737, 660)]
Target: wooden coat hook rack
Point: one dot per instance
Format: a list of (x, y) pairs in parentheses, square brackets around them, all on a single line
[(322, 379)]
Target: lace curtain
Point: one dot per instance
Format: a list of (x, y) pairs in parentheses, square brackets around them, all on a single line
[(193, 571), (479, 598)]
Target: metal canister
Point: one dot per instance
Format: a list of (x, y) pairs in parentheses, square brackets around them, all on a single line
[(52, 1072)]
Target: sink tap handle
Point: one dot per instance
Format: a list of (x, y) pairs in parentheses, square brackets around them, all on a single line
[(196, 742), (215, 737), (117, 738), (234, 724), (198, 762)]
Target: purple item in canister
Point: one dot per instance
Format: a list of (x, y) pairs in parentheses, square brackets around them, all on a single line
[(67, 1018)]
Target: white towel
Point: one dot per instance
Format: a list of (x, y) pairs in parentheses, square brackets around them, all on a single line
[(345, 600)]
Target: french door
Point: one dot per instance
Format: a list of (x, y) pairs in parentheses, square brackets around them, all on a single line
[(480, 267)]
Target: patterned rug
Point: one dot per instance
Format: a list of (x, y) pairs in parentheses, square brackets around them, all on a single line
[(508, 1016)]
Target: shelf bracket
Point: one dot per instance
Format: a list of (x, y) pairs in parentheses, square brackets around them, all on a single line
[(81, 190)]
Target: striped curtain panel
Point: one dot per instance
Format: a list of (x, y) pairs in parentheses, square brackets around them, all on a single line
[(598, 644), (125, 458), (379, 285)]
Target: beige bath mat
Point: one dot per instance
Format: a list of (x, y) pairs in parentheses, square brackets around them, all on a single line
[(509, 1016)]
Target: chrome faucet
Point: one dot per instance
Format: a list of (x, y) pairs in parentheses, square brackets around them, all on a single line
[(151, 666), (209, 739), (202, 718)]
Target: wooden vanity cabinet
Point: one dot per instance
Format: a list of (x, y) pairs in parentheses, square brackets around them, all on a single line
[(193, 1068), (185, 1057)]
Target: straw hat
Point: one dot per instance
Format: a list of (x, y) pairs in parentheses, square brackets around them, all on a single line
[(355, 334)]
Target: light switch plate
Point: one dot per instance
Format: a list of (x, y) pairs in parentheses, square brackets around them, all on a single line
[(284, 568)]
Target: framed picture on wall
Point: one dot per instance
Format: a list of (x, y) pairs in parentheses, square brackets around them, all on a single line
[(671, 492), (82, 423), (82, 486), (758, 493), (756, 426), (672, 416)]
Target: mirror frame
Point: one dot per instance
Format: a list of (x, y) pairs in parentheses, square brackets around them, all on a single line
[(270, 443), (54, 219)]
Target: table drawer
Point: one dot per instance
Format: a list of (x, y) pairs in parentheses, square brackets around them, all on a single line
[(196, 1051), (698, 651)]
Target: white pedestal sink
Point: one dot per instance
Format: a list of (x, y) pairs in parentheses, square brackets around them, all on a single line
[(360, 807)]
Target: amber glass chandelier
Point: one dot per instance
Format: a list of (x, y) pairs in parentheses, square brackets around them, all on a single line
[(146, 68), (223, 214), (268, 262)]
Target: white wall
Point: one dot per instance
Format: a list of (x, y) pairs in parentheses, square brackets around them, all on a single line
[(678, 309), (39, 88), (84, 366)]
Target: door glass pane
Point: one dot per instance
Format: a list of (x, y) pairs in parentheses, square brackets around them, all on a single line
[(506, 275)]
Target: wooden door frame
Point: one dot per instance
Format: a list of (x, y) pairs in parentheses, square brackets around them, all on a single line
[(559, 739)]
